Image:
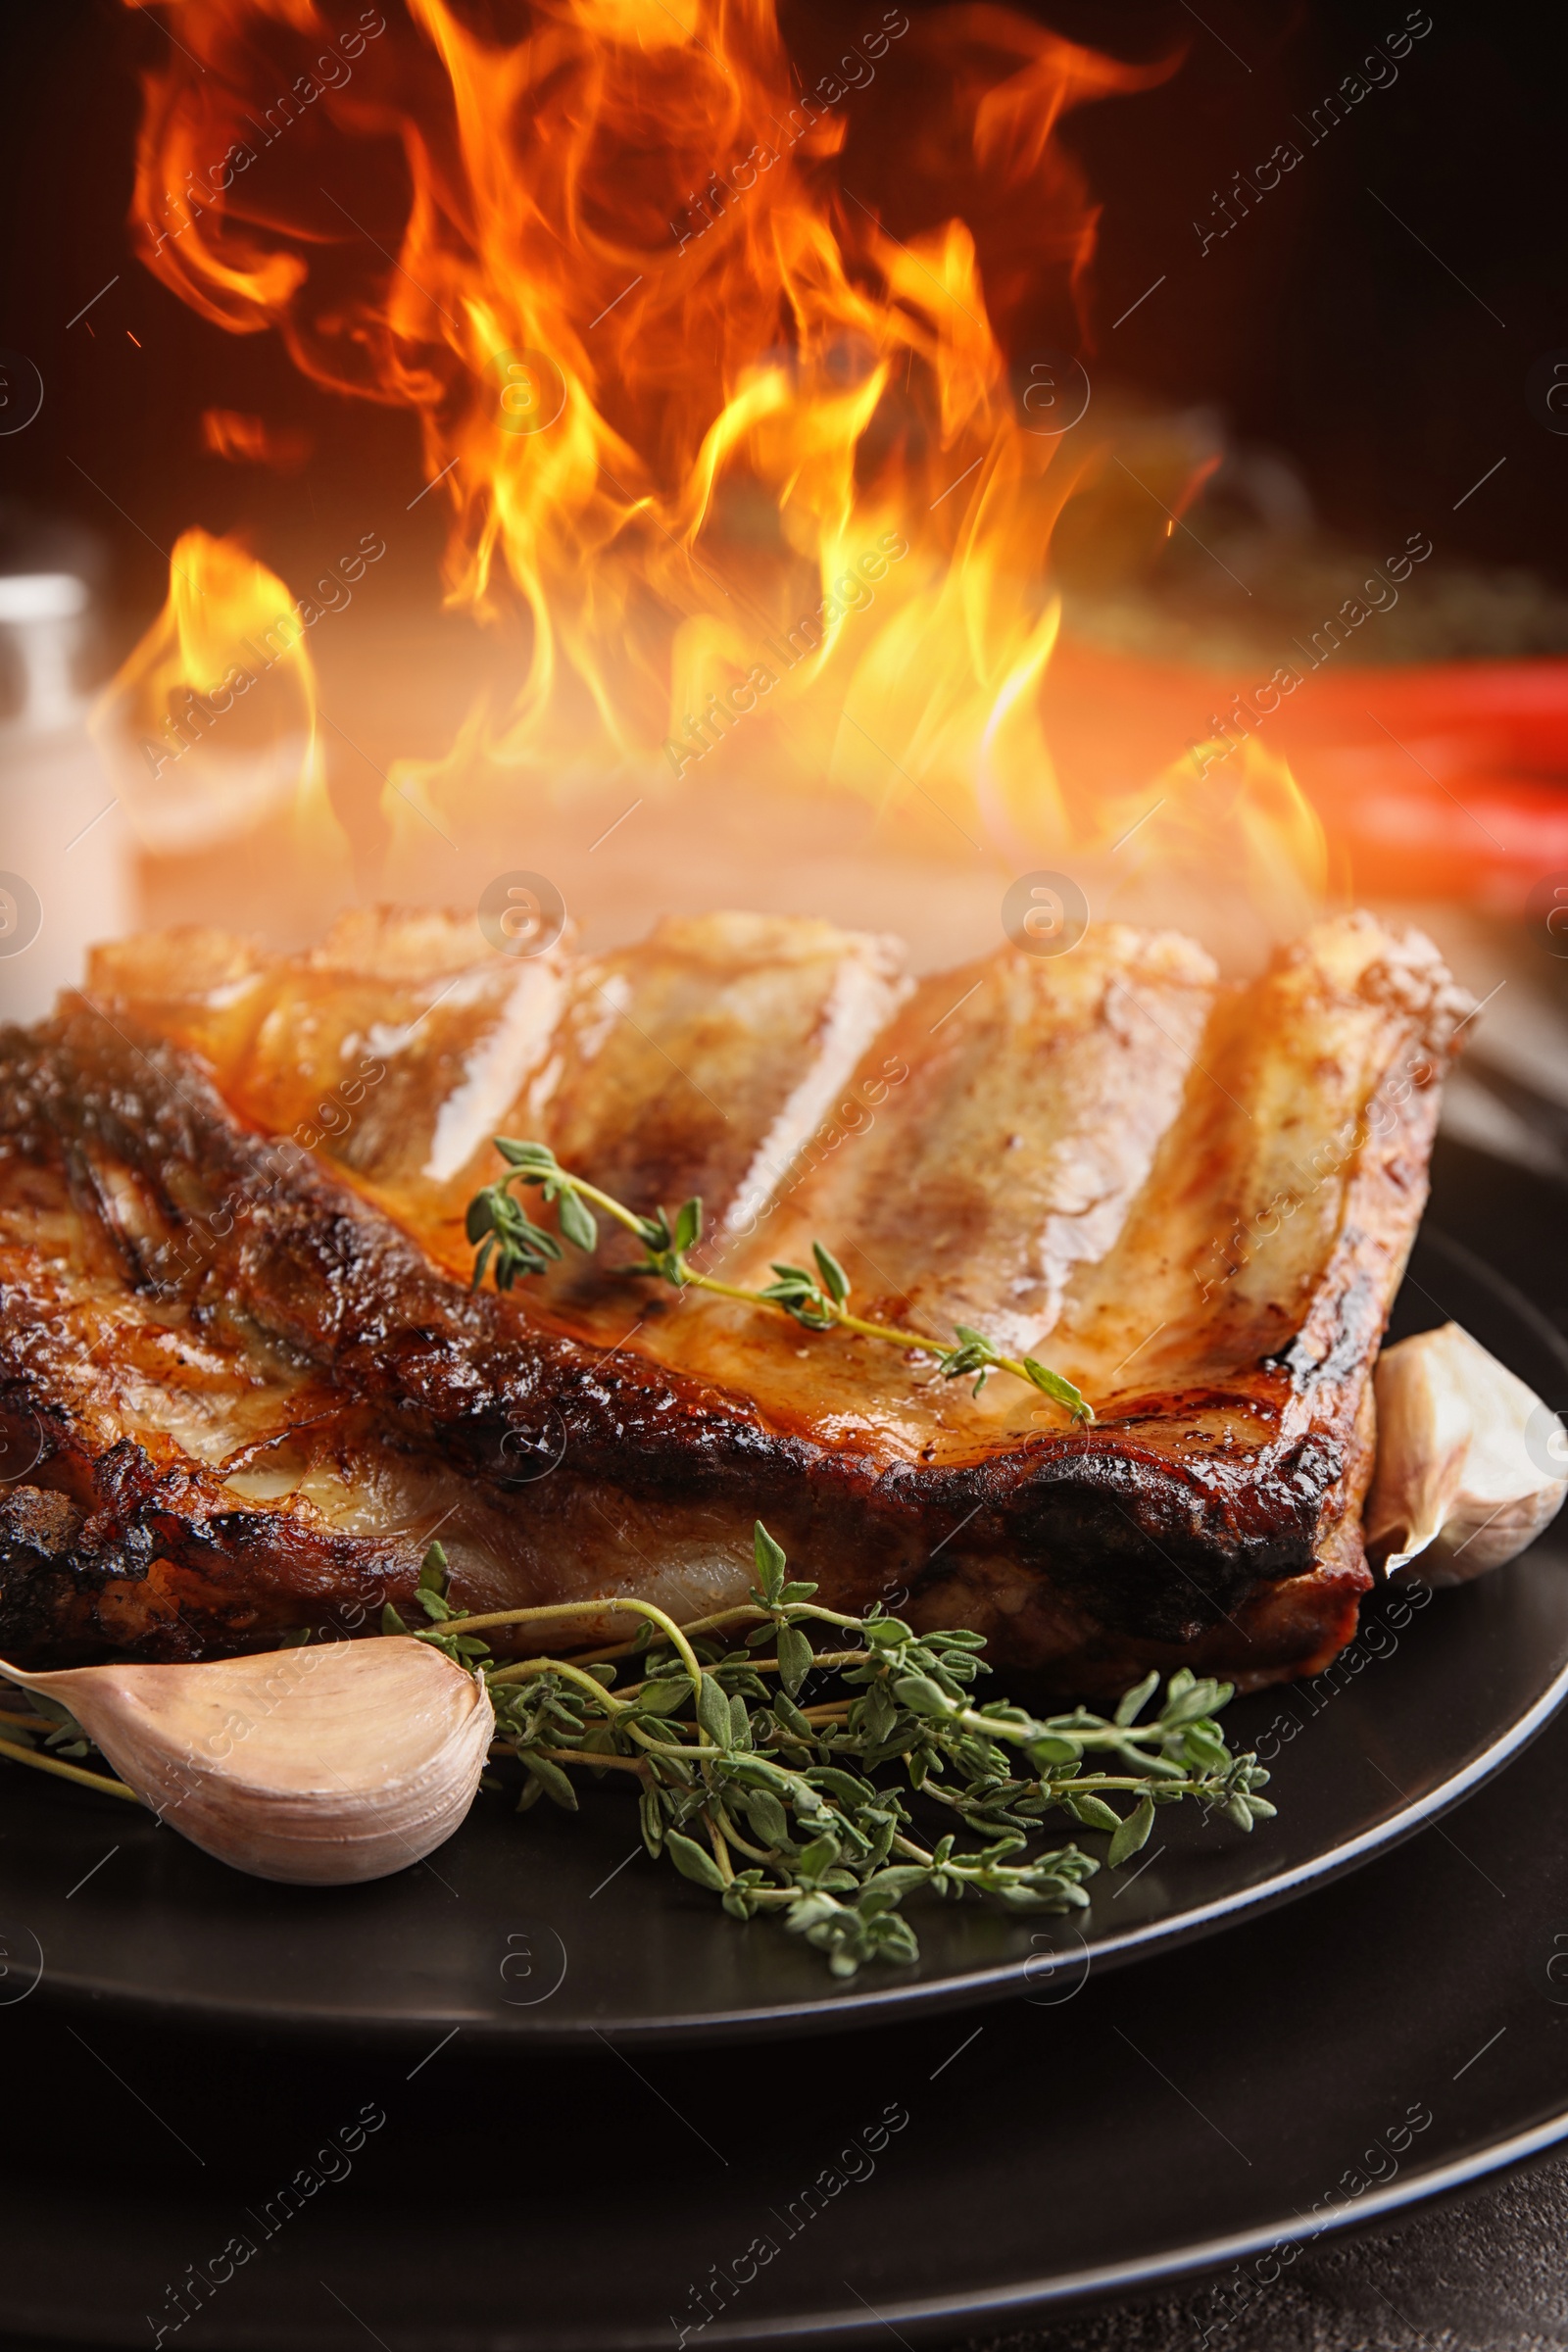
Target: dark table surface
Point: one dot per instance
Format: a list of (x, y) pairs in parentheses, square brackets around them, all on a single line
[(1484, 2273), (1483, 2269)]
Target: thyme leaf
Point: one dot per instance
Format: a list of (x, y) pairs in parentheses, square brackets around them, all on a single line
[(815, 1809), (509, 1246)]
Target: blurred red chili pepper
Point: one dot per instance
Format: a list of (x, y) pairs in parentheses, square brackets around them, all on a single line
[(1438, 780)]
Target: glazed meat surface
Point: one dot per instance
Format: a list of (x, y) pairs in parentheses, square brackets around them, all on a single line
[(245, 1381)]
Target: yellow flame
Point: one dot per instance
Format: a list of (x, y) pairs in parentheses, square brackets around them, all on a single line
[(208, 727), (1232, 822)]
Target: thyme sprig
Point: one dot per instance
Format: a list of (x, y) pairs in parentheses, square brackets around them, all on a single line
[(804, 1811), (507, 1240)]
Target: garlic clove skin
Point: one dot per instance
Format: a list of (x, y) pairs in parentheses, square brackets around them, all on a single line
[(1456, 1486), (317, 1766)]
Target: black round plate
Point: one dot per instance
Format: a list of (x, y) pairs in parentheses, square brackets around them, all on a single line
[(1383, 2041), (557, 1930)]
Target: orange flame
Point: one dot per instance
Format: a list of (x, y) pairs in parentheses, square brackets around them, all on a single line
[(208, 727), (251, 441), (747, 461)]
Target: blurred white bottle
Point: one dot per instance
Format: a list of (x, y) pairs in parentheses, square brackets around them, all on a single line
[(65, 851)]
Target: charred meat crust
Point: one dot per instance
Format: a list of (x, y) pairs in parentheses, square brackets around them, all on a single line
[(1152, 1530), (156, 1559)]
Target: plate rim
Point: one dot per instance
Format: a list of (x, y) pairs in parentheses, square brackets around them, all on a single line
[(1107, 2282), (825, 2013), (1175, 2267)]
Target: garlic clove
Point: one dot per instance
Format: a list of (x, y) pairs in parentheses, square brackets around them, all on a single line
[(1463, 1479), (318, 1766)]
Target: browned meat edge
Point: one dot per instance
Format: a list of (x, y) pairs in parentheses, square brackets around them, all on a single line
[(1147, 1538)]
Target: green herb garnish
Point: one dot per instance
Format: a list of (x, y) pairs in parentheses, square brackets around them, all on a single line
[(507, 1240), (779, 1801)]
